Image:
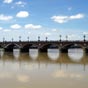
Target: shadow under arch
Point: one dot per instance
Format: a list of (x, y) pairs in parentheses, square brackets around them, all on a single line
[(11, 46), (71, 46), (1, 46), (26, 47), (44, 47)]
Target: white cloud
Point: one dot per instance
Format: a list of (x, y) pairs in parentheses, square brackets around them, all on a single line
[(20, 3), (63, 19), (6, 30), (60, 19), (29, 32), (47, 34), (78, 16), (7, 1), (32, 26), (1, 28), (85, 33), (22, 14), (15, 26), (71, 36), (54, 30), (5, 18)]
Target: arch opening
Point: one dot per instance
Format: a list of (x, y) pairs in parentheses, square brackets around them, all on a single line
[(71, 46), (44, 48), (10, 47), (27, 47)]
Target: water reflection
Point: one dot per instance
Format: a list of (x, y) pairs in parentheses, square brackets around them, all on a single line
[(16, 53), (75, 54), (53, 54), (42, 72), (33, 53), (1, 52)]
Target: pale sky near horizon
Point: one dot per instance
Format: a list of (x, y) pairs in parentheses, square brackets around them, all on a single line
[(44, 18)]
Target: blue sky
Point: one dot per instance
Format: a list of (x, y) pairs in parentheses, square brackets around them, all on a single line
[(44, 18)]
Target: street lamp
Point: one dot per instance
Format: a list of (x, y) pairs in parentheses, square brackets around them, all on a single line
[(60, 38), (28, 39), (38, 38), (19, 38), (66, 38), (46, 38), (12, 39), (84, 38)]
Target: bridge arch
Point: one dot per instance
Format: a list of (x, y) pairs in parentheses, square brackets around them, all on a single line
[(71, 45), (9, 47), (44, 47), (26, 47)]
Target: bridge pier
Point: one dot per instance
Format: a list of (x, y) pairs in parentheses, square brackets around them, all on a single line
[(86, 50), (64, 50), (43, 50)]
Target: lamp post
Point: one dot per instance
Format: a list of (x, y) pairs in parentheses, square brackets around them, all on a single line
[(12, 39), (84, 38), (46, 39), (60, 38), (28, 39), (38, 38), (66, 37), (19, 38)]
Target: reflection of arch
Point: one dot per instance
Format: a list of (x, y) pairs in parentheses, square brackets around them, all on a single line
[(53, 54), (44, 47), (75, 54), (72, 45), (11, 46), (26, 47)]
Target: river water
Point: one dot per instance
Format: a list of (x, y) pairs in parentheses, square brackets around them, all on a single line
[(44, 70)]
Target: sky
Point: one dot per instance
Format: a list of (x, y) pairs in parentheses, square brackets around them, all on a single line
[(44, 18)]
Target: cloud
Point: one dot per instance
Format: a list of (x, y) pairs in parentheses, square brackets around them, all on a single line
[(78, 16), (15, 26), (85, 33), (54, 30), (47, 34), (7, 1), (22, 14), (6, 30), (64, 19), (5, 18), (1, 28), (32, 26), (20, 3)]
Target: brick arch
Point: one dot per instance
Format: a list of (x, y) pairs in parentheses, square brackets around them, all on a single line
[(9, 47), (65, 47), (14, 44), (26, 47), (74, 45), (44, 47)]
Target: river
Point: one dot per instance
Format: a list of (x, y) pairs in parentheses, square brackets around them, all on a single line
[(44, 70)]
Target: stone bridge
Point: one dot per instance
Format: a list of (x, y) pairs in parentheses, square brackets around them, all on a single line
[(24, 46)]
